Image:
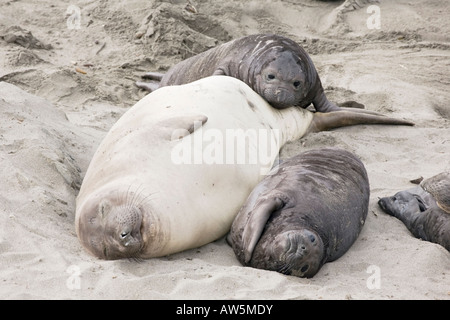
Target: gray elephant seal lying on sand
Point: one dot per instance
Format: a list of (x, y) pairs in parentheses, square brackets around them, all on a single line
[(309, 212), (276, 67), (424, 209)]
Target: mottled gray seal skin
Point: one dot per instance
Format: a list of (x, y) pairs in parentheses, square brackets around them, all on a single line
[(439, 187), (309, 212), (420, 213), (276, 67)]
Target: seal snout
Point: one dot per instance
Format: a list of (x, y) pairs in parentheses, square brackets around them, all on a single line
[(391, 205), (298, 252), (129, 222), (402, 202), (383, 203), (279, 97), (282, 95)]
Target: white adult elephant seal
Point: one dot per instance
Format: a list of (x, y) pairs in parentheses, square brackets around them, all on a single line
[(170, 175)]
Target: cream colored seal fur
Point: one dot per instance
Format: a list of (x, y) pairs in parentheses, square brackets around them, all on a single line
[(174, 170)]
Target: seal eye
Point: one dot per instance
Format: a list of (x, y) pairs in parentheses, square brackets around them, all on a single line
[(304, 269), (270, 76), (422, 206), (123, 235), (297, 84)]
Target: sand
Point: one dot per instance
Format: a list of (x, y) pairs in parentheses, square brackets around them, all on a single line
[(68, 70)]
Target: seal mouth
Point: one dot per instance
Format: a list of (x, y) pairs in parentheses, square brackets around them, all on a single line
[(122, 233), (383, 203), (279, 97)]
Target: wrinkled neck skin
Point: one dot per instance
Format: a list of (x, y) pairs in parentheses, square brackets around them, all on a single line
[(293, 123)]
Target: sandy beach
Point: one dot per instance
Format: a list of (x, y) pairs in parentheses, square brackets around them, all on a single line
[(67, 74)]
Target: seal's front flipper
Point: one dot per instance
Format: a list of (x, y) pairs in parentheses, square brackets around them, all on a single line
[(229, 239), (148, 86), (256, 223), (322, 104), (336, 119), (153, 76), (180, 126), (220, 72)]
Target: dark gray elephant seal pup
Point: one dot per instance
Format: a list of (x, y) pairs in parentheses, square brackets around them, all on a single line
[(276, 67), (308, 212), (424, 213)]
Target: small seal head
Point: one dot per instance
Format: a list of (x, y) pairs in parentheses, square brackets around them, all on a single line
[(110, 228), (420, 212), (282, 81), (296, 253), (402, 203)]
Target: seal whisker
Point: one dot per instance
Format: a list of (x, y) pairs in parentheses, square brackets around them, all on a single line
[(285, 268), (130, 202), (135, 258), (144, 201), (128, 195)]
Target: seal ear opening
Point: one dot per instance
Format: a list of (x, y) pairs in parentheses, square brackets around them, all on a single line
[(256, 223)]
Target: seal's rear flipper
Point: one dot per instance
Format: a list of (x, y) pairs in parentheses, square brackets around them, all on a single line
[(360, 110), (153, 76), (336, 119), (351, 104), (148, 86), (256, 223)]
